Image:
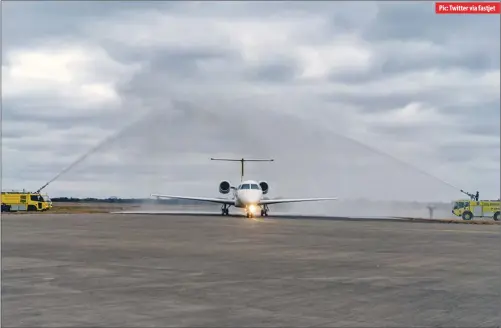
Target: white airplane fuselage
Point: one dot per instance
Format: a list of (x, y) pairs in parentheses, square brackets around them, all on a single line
[(247, 197)]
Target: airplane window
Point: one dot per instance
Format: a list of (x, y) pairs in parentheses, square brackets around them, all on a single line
[(246, 186), (254, 186)]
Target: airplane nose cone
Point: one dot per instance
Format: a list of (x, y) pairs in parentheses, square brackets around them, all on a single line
[(250, 197)]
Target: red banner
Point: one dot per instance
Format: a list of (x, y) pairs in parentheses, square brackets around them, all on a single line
[(467, 7)]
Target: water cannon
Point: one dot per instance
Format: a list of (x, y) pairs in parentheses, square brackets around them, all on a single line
[(472, 196), (42, 187)]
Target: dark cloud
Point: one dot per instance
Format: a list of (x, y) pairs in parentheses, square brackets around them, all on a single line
[(46, 21), (277, 72), (385, 95), (410, 37), (386, 101), (481, 110), (466, 151), (183, 65), (478, 60), (418, 21), (489, 128), (480, 119), (401, 132), (389, 61), (34, 111)]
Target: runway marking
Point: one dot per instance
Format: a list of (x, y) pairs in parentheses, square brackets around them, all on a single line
[(470, 231), (441, 230), (423, 230)]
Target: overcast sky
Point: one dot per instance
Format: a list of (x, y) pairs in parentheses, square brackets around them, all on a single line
[(315, 85)]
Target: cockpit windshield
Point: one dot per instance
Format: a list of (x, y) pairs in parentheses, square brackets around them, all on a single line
[(249, 186)]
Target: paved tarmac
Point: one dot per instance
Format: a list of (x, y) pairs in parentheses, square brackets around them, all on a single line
[(115, 270)]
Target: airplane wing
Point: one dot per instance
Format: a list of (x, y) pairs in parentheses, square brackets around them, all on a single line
[(200, 199), (292, 200)]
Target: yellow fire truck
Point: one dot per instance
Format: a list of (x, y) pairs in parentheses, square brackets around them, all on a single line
[(469, 208), (13, 201)]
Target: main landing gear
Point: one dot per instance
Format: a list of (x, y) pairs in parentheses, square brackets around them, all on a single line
[(225, 209), (264, 210)]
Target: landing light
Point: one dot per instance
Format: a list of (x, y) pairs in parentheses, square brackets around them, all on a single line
[(252, 208)]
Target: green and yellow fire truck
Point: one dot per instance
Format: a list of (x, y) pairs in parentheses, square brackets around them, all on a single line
[(470, 208), (14, 201)]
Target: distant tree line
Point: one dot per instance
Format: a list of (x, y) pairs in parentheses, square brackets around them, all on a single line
[(122, 200)]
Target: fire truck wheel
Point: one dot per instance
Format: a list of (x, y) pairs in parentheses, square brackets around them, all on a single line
[(496, 216), (467, 215)]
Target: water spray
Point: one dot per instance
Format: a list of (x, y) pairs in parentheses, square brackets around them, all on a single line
[(94, 149), (377, 151)]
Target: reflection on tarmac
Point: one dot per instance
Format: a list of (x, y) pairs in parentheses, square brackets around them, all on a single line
[(291, 216), (272, 216)]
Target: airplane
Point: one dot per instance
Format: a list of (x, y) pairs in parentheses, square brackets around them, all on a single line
[(249, 194)]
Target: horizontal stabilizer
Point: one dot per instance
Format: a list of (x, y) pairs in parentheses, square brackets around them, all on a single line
[(241, 160)]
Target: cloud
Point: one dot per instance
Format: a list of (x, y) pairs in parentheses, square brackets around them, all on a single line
[(71, 75), (338, 93)]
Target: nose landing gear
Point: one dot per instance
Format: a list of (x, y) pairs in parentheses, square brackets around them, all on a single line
[(249, 213)]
